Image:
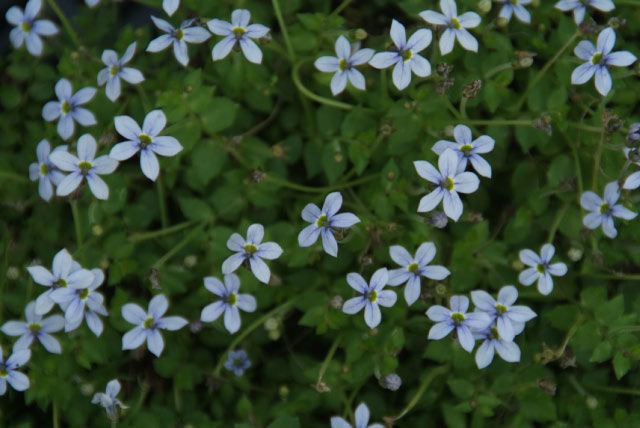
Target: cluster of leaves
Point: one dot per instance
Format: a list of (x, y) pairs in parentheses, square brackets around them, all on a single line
[(262, 141)]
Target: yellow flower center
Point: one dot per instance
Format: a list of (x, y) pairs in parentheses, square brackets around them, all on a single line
[(448, 184), (250, 249), (113, 70), (597, 58), (65, 107), (61, 283), (413, 267), (85, 166), (455, 23), (540, 268), (148, 323), (494, 333), (25, 26), (457, 317), (3, 371), (604, 208), (344, 65), (84, 293), (406, 55), (145, 140), (34, 327), (322, 221), (466, 149), (501, 309), (178, 34), (513, 2), (238, 32), (372, 295), (232, 299), (44, 169)]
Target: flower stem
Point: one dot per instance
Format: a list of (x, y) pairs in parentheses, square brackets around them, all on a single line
[(612, 389), (327, 360), (162, 260), (341, 7), (143, 236), (301, 188), (239, 338), (463, 107), (283, 29), (423, 387), (499, 122), (56, 415), (78, 225), (65, 22), (164, 217), (596, 163), (498, 69), (556, 222), (295, 75)]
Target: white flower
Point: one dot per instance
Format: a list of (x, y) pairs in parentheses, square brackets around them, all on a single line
[(603, 211), (515, 7), (541, 268), (448, 181), (406, 58), (456, 26), (45, 171), (67, 108), (598, 58), (115, 70), (579, 7), (252, 250), (344, 65), (238, 31), (170, 6), (468, 150), (27, 28), (178, 37)]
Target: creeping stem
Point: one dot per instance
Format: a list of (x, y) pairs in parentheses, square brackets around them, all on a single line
[(326, 189), (327, 360), (295, 75), (283, 28), (556, 222), (195, 232), (65, 22), (423, 387), (143, 236)]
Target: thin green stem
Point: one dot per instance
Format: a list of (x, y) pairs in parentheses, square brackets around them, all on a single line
[(283, 29), (114, 423), (533, 82), (463, 107), (556, 222), (596, 163), (624, 329), (162, 260), (497, 69), (577, 386), (143, 236), (423, 387), (56, 415), (301, 188), (499, 122), (584, 127), (612, 389), (65, 22), (164, 216), (570, 333), (78, 225), (295, 75), (327, 360), (341, 7), (239, 338), (620, 277)]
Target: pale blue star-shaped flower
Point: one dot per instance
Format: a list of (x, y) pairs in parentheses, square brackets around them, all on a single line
[(29, 30), (237, 362), (598, 58), (540, 268), (238, 31), (372, 295), (449, 181), (632, 182), (85, 165), (413, 268), (492, 342), (455, 26), (64, 275), (344, 65), (146, 141), (252, 250), (515, 7), (44, 171), (68, 110), (603, 211), (230, 303), (170, 6), (35, 328), (178, 37), (8, 373), (324, 222), (468, 149), (148, 324), (502, 311), (579, 7), (362, 416), (108, 399), (457, 318), (406, 58), (115, 70)]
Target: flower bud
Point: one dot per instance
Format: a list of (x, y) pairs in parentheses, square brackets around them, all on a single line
[(441, 289), (336, 302), (338, 157), (448, 131), (190, 261), (97, 230), (502, 22), (360, 34), (271, 324), (13, 273), (283, 391), (104, 264), (484, 6), (517, 264), (195, 326), (575, 254), (591, 402), (392, 382), (87, 389), (274, 335), (438, 220)]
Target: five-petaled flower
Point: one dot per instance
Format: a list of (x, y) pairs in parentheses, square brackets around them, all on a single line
[(85, 165), (457, 319), (515, 7), (468, 149), (28, 29), (178, 37), (579, 7), (413, 268), (237, 362), (252, 250), (68, 110), (8, 373), (492, 342), (540, 268), (344, 65), (455, 26), (237, 31), (406, 58), (108, 399), (230, 301), (371, 296), (502, 311), (115, 70), (35, 328), (362, 416), (146, 141), (449, 182), (603, 211), (45, 171), (324, 222), (598, 58), (148, 324)]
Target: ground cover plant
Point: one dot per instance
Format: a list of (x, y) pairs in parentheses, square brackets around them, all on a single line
[(317, 213)]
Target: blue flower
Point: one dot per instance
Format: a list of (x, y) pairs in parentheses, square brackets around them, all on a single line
[(457, 319), (324, 222), (252, 251), (108, 399), (515, 7), (632, 182), (8, 373), (148, 324), (27, 28), (603, 211), (406, 58), (35, 328), (468, 150), (85, 165), (541, 268), (170, 6), (238, 31), (449, 180), (598, 58), (45, 171), (230, 302), (67, 108), (506, 316), (371, 296), (146, 141), (115, 70), (455, 26), (492, 341), (82, 303), (579, 7), (344, 65), (413, 268), (362, 419), (237, 362), (178, 37)]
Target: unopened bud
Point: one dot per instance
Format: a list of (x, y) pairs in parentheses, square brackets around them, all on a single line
[(525, 62), (441, 289), (502, 22), (75, 55), (277, 150), (448, 131), (336, 302), (86, 389), (591, 402), (190, 261), (575, 254), (484, 6), (392, 382), (517, 264), (338, 157), (274, 335), (97, 230), (386, 129), (616, 22), (438, 220), (360, 34), (13, 273), (188, 88), (104, 264), (195, 326), (283, 391), (271, 324)]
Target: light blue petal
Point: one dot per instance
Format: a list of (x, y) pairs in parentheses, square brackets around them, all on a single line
[(401, 75), (212, 311), (372, 315), (232, 319), (400, 255), (465, 338), (440, 330), (483, 300), (603, 80), (608, 227), (50, 343), (69, 183), (309, 235), (437, 273), (545, 284), (98, 187), (329, 242), (387, 298), (430, 201), (412, 290), (520, 313), (269, 251), (505, 328), (528, 276), (452, 205), (384, 60), (362, 415), (399, 276), (484, 354), (223, 47), (232, 263), (508, 351), (481, 166), (250, 50), (557, 269), (171, 323), (260, 269), (18, 381), (508, 295), (155, 342), (357, 282), (353, 306), (133, 314), (149, 164), (439, 313)]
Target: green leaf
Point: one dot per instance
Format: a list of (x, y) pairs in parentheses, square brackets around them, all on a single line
[(602, 353), (621, 365), (285, 422), (219, 114), (461, 388), (195, 209)]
